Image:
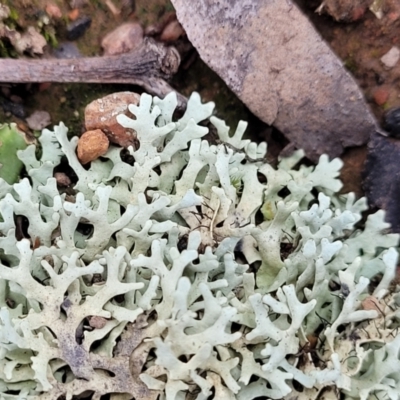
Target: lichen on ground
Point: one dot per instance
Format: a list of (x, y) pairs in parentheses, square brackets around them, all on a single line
[(192, 270)]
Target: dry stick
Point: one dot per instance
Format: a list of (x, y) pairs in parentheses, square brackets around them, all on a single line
[(147, 66)]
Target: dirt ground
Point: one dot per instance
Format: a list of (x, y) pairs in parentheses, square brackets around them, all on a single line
[(360, 41)]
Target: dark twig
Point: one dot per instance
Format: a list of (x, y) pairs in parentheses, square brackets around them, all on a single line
[(148, 66)]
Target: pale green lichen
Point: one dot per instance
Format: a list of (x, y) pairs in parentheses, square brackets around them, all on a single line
[(186, 276)]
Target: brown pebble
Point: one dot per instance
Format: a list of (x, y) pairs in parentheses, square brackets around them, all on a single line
[(97, 322), (53, 11), (92, 145), (102, 114), (172, 32), (381, 95), (73, 14), (123, 39)]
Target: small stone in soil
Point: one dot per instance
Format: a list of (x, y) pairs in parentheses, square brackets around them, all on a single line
[(97, 322), (73, 14), (173, 31), (390, 59), (13, 108), (77, 28), (123, 39), (38, 120), (53, 11), (92, 145), (381, 95)]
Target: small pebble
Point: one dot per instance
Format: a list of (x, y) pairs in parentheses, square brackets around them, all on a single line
[(172, 32), (38, 120), (92, 145), (17, 110), (77, 28), (97, 322), (73, 14), (53, 11), (392, 122), (390, 59), (381, 95), (123, 39)]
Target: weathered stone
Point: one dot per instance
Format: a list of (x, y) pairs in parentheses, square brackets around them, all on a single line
[(123, 39), (270, 55), (92, 145), (102, 114)]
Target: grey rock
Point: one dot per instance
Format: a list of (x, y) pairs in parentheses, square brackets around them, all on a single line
[(77, 28), (270, 55)]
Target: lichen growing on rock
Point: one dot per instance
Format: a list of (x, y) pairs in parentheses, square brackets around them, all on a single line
[(191, 270)]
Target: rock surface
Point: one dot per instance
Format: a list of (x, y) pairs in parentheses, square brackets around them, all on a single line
[(287, 77), (102, 114)]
